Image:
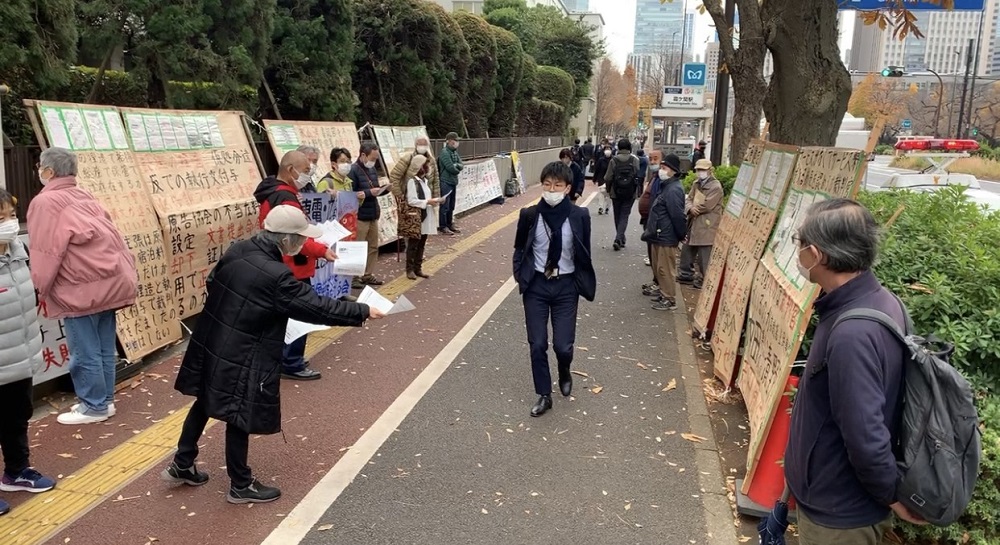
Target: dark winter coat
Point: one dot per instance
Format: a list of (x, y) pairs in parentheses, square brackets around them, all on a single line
[(524, 259), (667, 224), (449, 165), (233, 362), (601, 168), (365, 179)]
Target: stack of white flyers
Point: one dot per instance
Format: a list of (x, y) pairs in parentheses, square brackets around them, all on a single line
[(351, 258)]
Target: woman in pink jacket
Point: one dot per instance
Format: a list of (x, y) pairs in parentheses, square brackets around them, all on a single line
[(83, 272)]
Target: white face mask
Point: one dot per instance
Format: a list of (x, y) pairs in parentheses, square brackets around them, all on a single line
[(664, 174), (421, 149), (9, 230), (553, 197), (702, 174), (804, 271), (343, 169), (654, 166), (302, 181), (607, 153), (369, 164)]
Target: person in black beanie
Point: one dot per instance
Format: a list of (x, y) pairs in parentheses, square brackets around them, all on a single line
[(553, 269)]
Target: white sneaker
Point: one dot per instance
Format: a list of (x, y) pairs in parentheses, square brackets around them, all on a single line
[(75, 417), (646, 261), (111, 409)]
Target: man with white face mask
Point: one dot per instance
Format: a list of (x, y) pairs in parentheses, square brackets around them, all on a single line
[(840, 463), (704, 210), (553, 269), (306, 180), (275, 191), (233, 360)]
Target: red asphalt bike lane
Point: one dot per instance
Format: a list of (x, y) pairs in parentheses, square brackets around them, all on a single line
[(363, 373)]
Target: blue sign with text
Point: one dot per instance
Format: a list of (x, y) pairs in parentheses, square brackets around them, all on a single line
[(695, 74), (925, 5)]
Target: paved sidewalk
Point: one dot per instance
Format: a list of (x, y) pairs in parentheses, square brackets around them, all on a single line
[(610, 465)]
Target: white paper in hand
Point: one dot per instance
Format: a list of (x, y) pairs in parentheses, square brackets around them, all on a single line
[(296, 329), (351, 258), (377, 301), (333, 232)]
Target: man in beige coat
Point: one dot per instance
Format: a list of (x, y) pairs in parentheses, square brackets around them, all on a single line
[(704, 211), (398, 177)]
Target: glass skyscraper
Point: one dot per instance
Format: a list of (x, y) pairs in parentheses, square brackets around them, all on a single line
[(659, 28)]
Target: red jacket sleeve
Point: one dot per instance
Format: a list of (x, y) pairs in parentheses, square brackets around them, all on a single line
[(312, 248)]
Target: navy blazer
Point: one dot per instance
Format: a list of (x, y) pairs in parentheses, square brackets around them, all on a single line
[(524, 258)]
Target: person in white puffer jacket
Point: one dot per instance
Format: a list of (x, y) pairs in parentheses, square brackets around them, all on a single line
[(20, 357)]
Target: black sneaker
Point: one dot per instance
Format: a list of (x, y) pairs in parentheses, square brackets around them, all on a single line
[(617, 246), (257, 492), (305, 374), (190, 476), (455, 230), (664, 304), (651, 291), (687, 280)]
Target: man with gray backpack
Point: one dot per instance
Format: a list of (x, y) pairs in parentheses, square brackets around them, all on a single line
[(624, 181), (881, 423)]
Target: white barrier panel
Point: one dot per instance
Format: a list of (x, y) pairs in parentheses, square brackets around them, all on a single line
[(478, 184)]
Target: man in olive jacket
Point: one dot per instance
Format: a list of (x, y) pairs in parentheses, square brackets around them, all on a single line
[(704, 211), (449, 165), (233, 362)]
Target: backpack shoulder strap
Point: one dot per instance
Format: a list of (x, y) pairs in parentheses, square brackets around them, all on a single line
[(872, 315)]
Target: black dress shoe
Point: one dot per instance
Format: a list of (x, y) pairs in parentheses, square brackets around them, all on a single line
[(566, 384), (543, 405)]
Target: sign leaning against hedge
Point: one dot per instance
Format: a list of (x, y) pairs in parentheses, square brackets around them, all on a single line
[(757, 211), (201, 170), (781, 299), (478, 183), (712, 282), (107, 168)]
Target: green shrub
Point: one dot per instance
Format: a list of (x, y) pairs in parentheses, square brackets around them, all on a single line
[(554, 85), (125, 89), (541, 118), (884, 149), (941, 257)]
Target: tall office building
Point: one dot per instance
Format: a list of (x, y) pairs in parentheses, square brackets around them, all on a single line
[(577, 6), (712, 54), (659, 27), (688, 31), (943, 47)]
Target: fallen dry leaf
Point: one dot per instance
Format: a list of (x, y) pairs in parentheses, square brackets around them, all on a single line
[(744, 539), (324, 527), (77, 436), (66, 455), (580, 374), (693, 438), (597, 389), (583, 348), (670, 385), (641, 365), (628, 506)]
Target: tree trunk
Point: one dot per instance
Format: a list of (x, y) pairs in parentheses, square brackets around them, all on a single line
[(809, 91), (750, 88), (95, 89)]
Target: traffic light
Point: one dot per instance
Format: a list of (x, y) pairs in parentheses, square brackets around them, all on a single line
[(975, 131), (892, 72)]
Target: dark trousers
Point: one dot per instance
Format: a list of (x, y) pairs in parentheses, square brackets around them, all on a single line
[(691, 255), (415, 253), (15, 411), (446, 214), (293, 355), (622, 209), (237, 446), (559, 299)]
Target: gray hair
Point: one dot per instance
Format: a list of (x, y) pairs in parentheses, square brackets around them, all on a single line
[(279, 238), (420, 139), (61, 160), (845, 232), (308, 150)]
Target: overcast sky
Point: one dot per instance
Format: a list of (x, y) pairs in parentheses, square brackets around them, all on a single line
[(619, 21)]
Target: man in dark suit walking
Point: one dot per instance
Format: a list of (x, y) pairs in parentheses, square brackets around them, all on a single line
[(553, 270)]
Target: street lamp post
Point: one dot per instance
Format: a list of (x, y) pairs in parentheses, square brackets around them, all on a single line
[(937, 112)]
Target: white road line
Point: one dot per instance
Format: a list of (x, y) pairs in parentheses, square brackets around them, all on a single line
[(294, 528)]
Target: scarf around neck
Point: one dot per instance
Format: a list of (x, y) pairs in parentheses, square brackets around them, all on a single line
[(554, 217)]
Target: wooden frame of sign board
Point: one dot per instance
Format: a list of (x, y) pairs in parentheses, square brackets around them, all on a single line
[(253, 148), (125, 368), (800, 328)]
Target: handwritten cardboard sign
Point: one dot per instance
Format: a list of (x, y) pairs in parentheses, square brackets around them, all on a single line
[(200, 170), (478, 184), (781, 300), (758, 210), (107, 167)]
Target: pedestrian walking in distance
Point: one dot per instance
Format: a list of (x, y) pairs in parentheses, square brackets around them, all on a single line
[(553, 269), (233, 363)]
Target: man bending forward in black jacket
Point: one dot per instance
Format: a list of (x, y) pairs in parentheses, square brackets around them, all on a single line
[(233, 363)]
